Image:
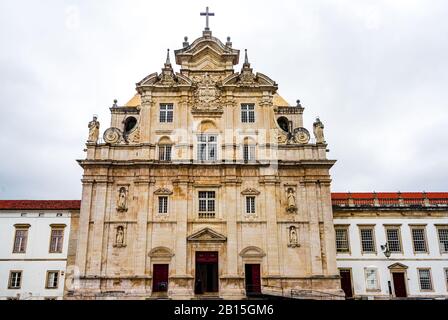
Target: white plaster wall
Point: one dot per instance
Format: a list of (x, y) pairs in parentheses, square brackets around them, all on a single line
[(358, 261), (37, 260)]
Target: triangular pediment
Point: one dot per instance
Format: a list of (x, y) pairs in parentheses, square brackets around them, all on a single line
[(397, 266), (206, 235)]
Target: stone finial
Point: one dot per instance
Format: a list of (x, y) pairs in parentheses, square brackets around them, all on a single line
[(228, 43), (185, 43), (168, 62), (298, 103), (115, 103), (246, 59)]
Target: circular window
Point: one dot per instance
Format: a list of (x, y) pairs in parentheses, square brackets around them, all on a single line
[(283, 123), (130, 124)]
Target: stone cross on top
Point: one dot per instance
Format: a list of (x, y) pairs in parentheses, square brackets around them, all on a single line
[(207, 14)]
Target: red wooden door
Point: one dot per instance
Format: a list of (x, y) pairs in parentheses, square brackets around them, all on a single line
[(160, 278), (399, 284), (346, 282), (253, 278)]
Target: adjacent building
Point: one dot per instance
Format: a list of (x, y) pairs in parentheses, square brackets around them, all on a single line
[(392, 245), (35, 242)]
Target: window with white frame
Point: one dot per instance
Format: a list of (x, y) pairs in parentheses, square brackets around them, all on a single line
[(443, 238), (56, 240), (15, 279), (446, 277), (247, 112), (163, 204), (424, 276), (419, 239), (20, 240), (342, 242), (393, 239), (249, 152), (371, 278), (207, 147), (250, 204), (52, 279), (206, 204), (367, 240), (166, 112), (165, 152)]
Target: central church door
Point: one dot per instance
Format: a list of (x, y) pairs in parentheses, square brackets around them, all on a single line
[(206, 279)]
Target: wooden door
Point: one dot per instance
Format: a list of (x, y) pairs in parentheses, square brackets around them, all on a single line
[(160, 278), (206, 272), (399, 284), (346, 282), (253, 278)]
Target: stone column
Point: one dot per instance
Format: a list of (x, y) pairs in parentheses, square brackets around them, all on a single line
[(98, 228), (330, 236), (141, 252), (84, 218), (314, 235)]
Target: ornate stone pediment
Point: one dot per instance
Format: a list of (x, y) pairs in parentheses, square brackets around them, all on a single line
[(206, 235), (252, 252), (250, 191), (163, 191), (161, 252)]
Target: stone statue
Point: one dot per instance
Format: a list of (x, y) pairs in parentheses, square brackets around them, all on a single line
[(94, 130), (119, 240), (122, 199), (291, 201), (318, 129), (293, 240)]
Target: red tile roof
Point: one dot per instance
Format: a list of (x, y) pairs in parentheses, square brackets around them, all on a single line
[(388, 198), (40, 204)]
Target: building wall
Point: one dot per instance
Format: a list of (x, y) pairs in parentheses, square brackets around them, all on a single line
[(358, 261), (37, 260)]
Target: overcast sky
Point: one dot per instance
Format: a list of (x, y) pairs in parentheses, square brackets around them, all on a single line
[(376, 72)]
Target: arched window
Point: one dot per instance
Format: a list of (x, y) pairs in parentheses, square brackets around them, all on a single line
[(207, 141), (165, 146), (129, 124), (283, 123), (249, 150)]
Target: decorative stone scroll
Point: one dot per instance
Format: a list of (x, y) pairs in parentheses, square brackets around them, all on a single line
[(250, 192), (163, 191), (112, 135)]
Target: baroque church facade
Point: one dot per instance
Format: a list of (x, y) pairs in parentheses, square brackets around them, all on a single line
[(206, 184)]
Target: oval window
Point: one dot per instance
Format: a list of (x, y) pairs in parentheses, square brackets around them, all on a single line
[(130, 124), (283, 123)]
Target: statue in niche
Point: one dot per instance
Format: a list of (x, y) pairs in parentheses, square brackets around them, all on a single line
[(293, 239), (122, 199), (291, 201), (318, 130), (119, 238), (94, 130)]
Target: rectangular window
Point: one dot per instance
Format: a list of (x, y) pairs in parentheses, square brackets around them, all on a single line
[(371, 279), (56, 240), (206, 204), (249, 152), (20, 240), (165, 152), (342, 244), (15, 279), (207, 147), (250, 204), (446, 277), (367, 240), (247, 113), (163, 204), (419, 240), (52, 279), (166, 112), (424, 276), (393, 239), (443, 239)]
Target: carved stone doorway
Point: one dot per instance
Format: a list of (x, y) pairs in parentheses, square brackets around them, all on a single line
[(206, 276)]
